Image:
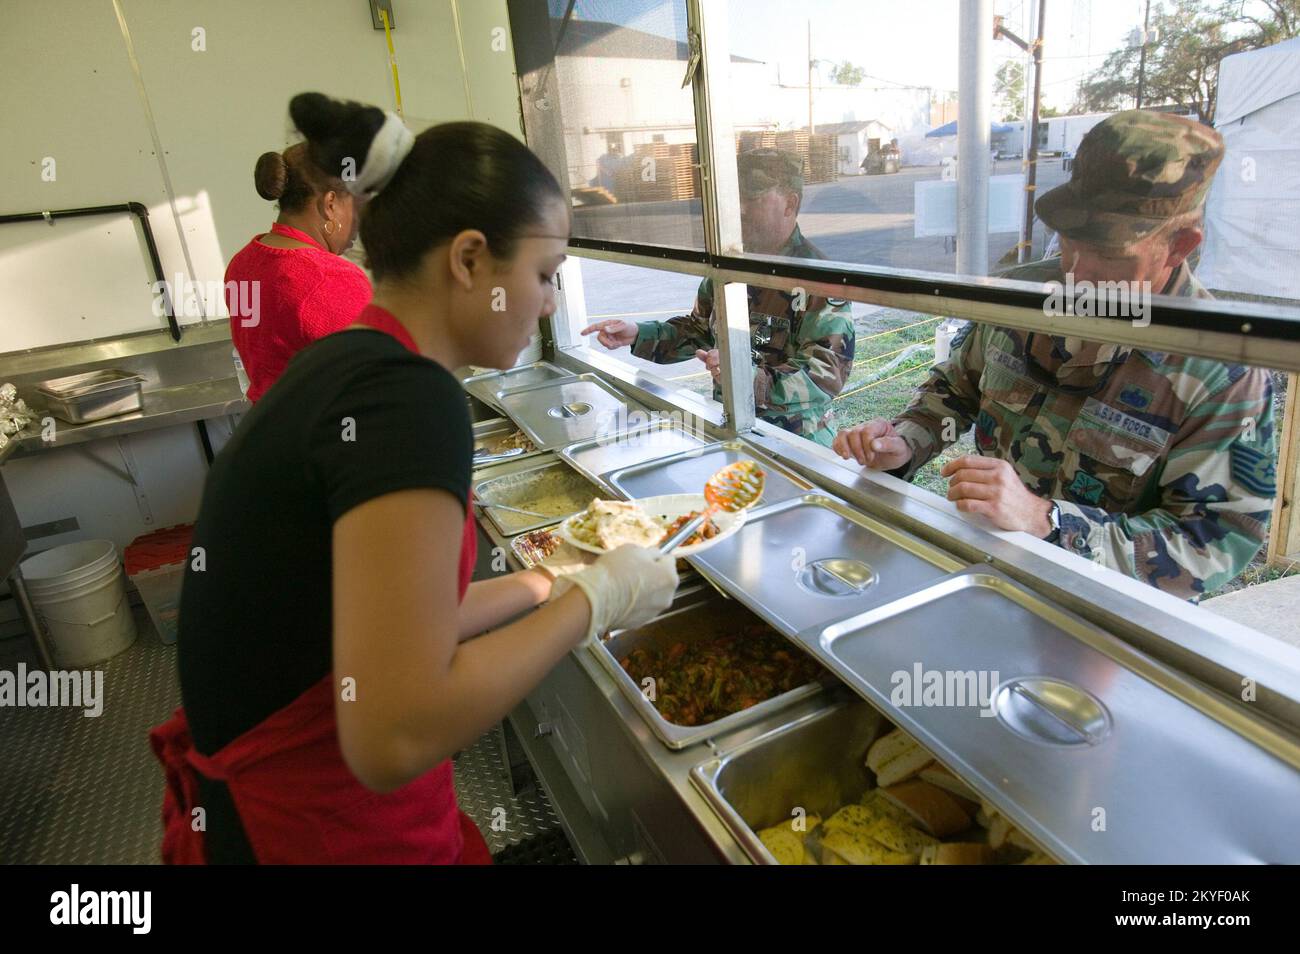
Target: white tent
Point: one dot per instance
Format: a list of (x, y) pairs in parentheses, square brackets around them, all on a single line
[(1252, 242)]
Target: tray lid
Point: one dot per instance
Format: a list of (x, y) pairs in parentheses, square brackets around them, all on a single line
[(1094, 750)]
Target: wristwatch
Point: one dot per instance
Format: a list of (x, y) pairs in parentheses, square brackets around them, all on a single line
[(1054, 518)]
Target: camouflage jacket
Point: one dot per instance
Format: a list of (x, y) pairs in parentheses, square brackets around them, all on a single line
[(802, 357), (1163, 466)]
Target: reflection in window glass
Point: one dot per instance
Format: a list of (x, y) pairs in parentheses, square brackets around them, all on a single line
[(1170, 484), (867, 105), (629, 125)]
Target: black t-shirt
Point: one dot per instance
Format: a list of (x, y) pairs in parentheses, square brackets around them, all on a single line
[(354, 416)]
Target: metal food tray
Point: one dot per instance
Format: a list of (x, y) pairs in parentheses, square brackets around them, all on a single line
[(705, 617), (812, 560), (815, 763), (1081, 720), (601, 456), (93, 395), (519, 487), (575, 408), (487, 433), (488, 387), (688, 471)]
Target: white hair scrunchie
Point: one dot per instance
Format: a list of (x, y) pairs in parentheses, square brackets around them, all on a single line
[(387, 150)]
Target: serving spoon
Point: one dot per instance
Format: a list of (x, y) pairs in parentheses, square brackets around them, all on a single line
[(734, 488)]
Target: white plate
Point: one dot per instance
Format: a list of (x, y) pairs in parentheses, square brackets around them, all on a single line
[(671, 506)]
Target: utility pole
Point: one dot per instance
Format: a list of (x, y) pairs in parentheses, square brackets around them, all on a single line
[(1142, 54), (1031, 160), (811, 130), (974, 104)]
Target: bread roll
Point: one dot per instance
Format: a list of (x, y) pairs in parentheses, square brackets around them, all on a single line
[(957, 853), (937, 774), (888, 746), (896, 757), (935, 810)]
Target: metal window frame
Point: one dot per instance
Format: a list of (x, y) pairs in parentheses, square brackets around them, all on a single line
[(1235, 332)]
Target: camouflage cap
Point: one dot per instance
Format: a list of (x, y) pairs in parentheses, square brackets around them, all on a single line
[(765, 168), (1134, 171)]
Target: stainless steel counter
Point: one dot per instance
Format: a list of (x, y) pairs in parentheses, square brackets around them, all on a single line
[(184, 382), (632, 799), (164, 407)]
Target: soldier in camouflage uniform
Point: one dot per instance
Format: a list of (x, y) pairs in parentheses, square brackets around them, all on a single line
[(1158, 465), (802, 345)]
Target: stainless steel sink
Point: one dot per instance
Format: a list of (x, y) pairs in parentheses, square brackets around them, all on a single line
[(687, 473), (812, 560), (690, 620), (816, 764)]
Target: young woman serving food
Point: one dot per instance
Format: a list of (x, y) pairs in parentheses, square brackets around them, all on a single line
[(329, 650)]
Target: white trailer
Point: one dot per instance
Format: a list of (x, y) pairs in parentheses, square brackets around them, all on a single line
[(1251, 241), (1062, 134)]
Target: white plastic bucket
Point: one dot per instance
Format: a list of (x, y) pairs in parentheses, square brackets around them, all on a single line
[(79, 593)]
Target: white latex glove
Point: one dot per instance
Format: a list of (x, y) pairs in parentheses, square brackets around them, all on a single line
[(626, 587)]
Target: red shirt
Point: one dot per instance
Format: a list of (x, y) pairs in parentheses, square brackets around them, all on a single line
[(301, 294)]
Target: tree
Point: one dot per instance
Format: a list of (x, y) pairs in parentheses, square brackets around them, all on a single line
[(1009, 90), (847, 74), (1182, 67)]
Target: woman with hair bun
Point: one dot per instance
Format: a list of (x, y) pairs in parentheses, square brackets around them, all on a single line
[(305, 288), (333, 653)]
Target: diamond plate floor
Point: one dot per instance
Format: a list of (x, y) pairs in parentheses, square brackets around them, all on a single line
[(506, 820), (77, 790)]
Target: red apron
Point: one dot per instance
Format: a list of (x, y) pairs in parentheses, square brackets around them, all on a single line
[(296, 798)]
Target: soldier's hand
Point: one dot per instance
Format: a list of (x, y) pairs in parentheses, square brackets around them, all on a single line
[(711, 362), (875, 445), (613, 332), (990, 486)]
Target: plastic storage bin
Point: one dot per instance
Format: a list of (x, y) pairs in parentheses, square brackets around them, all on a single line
[(155, 563)]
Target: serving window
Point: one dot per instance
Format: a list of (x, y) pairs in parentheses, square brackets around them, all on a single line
[(870, 112)]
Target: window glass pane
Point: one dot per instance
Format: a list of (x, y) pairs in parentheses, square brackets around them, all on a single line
[(865, 105), (628, 304), (629, 125), (1118, 440)]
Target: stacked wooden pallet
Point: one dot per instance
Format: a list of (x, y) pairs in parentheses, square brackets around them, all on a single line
[(755, 139), (823, 159), (659, 172), (818, 151)]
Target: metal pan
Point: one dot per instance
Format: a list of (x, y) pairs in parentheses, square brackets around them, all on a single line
[(92, 396), (698, 620)]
